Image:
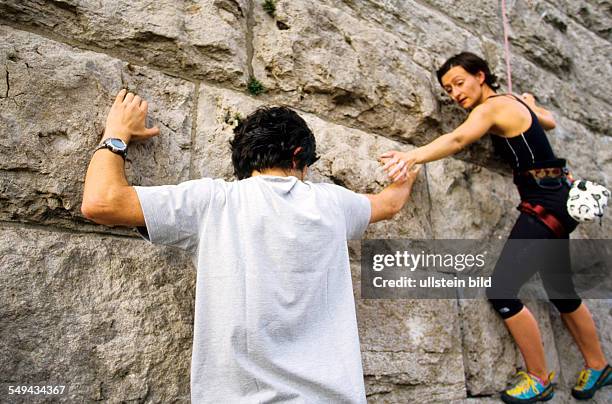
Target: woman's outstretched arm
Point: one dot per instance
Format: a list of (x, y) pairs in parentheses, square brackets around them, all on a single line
[(478, 123)]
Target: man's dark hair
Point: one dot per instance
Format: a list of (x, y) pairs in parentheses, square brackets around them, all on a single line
[(269, 138), (472, 64)]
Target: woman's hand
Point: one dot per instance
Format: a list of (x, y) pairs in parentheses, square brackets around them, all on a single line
[(399, 164), (545, 117), (529, 99)]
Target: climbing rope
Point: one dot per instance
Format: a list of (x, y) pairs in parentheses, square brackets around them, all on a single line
[(506, 44)]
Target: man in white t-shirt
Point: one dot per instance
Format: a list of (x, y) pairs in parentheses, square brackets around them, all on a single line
[(274, 311)]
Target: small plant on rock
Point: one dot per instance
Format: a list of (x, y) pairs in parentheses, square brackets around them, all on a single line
[(255, 87), (237, 119), (232, 119), (269, 7)]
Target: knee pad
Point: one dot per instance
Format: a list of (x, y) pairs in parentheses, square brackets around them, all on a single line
[(566, 305), (506, 308)]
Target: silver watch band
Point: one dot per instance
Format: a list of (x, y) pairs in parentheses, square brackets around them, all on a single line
[(107, 146)]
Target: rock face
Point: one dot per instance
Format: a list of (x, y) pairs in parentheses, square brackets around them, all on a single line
[(53, 114), (110, 316), (202, 38), (106, 317)]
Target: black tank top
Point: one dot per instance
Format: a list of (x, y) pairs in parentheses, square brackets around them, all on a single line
[(528, 150)]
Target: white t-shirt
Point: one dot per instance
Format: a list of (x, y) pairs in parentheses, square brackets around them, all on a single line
[(274, 311)]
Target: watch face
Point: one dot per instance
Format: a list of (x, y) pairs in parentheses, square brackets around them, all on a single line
[(117, 143)]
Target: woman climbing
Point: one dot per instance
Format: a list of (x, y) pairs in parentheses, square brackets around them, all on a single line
[(517, 125)]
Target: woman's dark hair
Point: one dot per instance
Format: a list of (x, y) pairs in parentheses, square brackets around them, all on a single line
[(472, 64), (268, 138)]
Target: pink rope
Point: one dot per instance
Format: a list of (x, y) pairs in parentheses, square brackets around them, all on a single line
[(506, 45)]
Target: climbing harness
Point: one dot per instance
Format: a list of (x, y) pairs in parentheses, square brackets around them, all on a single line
[(549, 177), (545, 217)]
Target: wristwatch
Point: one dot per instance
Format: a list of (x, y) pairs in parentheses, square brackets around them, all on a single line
[(115, 145)]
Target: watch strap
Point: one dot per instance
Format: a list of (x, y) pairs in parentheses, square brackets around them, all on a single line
[(106, 145)]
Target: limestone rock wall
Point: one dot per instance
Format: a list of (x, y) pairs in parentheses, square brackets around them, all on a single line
[(97, 309)]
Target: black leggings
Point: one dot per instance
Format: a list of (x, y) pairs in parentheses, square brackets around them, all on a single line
[(529, 249)]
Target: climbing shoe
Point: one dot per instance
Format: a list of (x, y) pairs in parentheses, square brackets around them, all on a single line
[(529, 389), (591, 380)]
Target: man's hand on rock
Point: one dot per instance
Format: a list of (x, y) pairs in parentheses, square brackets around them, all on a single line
[(126, 119)]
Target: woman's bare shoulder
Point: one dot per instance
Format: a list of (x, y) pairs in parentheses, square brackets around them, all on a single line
[(510, 117)]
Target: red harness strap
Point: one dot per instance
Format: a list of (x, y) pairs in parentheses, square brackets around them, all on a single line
[(548, 219)]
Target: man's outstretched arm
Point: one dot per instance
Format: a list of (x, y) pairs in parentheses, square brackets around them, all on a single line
[(392, 199), (107, 197)]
